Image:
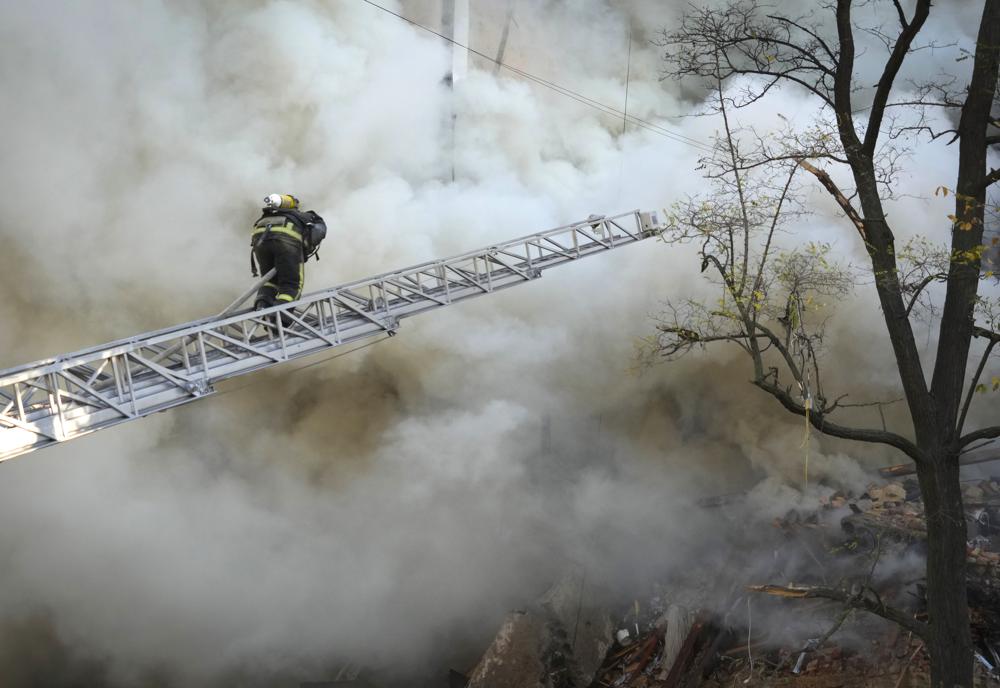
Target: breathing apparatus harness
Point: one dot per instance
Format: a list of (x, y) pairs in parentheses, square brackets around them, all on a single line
[(281, 214)]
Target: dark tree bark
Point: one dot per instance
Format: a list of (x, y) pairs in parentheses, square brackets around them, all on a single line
[(950, 643)]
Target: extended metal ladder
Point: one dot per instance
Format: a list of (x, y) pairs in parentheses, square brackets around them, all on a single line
[(61, 398)]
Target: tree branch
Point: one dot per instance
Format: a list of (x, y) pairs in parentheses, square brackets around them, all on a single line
[(988, 432), (921, 286), (860, 600), (842, 81), (802, 52), (992, 178), (983, 333), (797, 157), (838, 195), (920, 103), (731, 145), (798, 25), (902, 15), (956, 323), (787, 74), (981, 434), (818, 420), (974, 382), (782, 349), (899, 51), (778, 48), (770, 236), (861, 404), (688, 337), (720, 268)]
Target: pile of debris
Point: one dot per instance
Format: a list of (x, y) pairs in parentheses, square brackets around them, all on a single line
[(846, 545), (728, 623), (712, 657), (558, 642)]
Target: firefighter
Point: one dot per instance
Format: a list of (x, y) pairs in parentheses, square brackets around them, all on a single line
[(283, 238)]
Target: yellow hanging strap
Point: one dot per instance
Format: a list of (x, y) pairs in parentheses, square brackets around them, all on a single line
[(804, 386), (805, 440)]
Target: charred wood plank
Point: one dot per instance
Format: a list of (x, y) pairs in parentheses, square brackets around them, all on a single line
[(685, 656)]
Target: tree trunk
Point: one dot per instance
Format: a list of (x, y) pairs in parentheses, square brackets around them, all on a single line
[(950, 640), (970, 203)]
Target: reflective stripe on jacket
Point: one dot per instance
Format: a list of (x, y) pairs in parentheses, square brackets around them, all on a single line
[(289, 222), (287, 228)]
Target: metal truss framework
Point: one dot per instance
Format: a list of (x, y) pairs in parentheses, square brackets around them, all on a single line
[(62, 398)]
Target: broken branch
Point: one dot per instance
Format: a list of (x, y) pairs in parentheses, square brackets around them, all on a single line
[(854, 601), (824, 178)]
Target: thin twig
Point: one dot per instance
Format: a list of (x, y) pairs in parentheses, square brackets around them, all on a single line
[(906, 666)]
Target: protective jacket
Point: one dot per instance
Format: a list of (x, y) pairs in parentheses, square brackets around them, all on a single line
[(282, 239)]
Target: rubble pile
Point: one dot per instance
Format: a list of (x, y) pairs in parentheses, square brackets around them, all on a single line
[(726, 632), (894, 661), (679, 643), (558, 642), (899, 664), (767, 605)]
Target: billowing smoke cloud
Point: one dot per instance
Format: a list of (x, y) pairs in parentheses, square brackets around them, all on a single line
[(389, 506)]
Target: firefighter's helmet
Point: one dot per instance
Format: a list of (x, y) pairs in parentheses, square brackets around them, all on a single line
[(281, 202)]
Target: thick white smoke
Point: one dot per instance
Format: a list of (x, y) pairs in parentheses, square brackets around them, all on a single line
[(383, 506)]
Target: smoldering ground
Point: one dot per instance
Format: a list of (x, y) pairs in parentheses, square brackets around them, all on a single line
[(388, 506)]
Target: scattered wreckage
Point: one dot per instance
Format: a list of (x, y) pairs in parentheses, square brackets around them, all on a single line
[(744, 623)]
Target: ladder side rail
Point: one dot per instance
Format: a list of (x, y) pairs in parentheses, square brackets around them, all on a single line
[(125, 344), (177, 338), (162, 369), (168, 340)]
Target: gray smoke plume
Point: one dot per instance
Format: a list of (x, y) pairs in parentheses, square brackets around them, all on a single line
[(389, 506)]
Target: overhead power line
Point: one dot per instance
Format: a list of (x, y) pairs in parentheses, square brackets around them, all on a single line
[(562, 90)]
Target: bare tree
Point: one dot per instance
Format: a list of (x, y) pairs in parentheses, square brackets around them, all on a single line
[(773, 303)]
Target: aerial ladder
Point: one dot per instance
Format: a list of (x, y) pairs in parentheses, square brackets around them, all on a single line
[(68, 396)]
